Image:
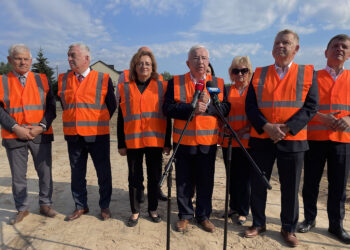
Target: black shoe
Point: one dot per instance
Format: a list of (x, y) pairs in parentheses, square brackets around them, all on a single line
[(162, 196), (306, 226), (341, 234), (132, 222), (156, 219), (141, 197)]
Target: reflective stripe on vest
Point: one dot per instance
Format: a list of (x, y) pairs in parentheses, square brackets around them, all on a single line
[(281, 99), (334, 96), (203, 129), (144, 121)]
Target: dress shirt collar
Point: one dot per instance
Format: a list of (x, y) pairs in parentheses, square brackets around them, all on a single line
[(280, 72), (332, 72), (195, 81), (18, 75), (84, 74)]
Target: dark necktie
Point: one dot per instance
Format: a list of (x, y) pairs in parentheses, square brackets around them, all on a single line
[(80, 78), (22, 80)]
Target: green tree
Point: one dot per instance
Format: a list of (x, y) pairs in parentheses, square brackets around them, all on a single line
[(41, 66), (167, 76), (5, 68)]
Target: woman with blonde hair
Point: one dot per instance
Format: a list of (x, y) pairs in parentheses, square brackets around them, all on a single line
[(240, 73)]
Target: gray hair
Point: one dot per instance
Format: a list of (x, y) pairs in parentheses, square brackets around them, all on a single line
[(19, 47), (195, 47), (82, 46)]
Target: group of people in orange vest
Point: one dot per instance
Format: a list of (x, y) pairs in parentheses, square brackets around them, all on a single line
[(283, 112)]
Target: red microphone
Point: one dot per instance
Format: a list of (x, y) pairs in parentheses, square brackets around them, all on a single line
[(199, 88)]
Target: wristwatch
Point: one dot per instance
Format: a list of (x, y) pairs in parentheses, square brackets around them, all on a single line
[(43, 126)]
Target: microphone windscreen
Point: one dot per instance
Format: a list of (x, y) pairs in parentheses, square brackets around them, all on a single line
[(200, 85), (212, 89)]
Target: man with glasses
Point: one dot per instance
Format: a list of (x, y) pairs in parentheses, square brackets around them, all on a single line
[(282, 98), (27, 109), (197, 151)]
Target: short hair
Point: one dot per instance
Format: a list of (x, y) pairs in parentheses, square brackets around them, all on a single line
[(340, 37), (136, 58), (286, 32), (239, 61), (211, 69), (195, 47), (15, 48), (82, 46)]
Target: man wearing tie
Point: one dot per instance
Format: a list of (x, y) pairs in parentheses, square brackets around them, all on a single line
[(281, 99), (27, 109), (197, 151), (88, 103)]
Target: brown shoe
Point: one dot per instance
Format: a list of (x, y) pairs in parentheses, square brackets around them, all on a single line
[(208, 226), (254, 231), (47, 211), (19, 217), (105, 213), (181, 225), (290, 238), (77, 213)]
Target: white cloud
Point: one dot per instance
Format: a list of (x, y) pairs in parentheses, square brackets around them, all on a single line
[(242, 17), (329, 14)]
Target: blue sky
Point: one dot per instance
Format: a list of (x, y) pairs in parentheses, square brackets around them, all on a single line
[(115, 29)]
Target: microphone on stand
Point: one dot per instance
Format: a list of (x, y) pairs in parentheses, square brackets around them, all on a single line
[(213, 91), (199, 88)]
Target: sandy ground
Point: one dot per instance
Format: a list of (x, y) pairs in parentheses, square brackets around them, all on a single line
[(89, 232)]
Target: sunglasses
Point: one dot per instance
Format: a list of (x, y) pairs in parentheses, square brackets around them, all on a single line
[(243, 71)]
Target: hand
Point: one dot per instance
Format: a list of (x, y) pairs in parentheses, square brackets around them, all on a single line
[(204, 97), (328, 120), (166, 150), (122, 151), (275, 131), (22, 133), (342, 124), (201, 107), (35, 130), (242, 132)]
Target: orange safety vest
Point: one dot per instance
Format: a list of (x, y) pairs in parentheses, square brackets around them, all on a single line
[(237, 117), (278, 99), (144, 121), (203, 129), (126, 76), (24, 104), (84, 109), (333, 96)]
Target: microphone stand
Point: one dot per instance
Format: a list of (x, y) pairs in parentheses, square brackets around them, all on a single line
[(253, 164), (168, 173), (228, 181)]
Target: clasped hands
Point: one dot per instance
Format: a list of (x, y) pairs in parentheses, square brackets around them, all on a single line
[(333, 123), (201, 106), (27, 132), (276, 131)]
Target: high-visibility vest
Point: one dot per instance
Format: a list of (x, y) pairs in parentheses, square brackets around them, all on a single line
[(333, 96), (203, 129), (144, 121), (237, 117), (84, 109), (25, 104), (277, 99), (126, 76)]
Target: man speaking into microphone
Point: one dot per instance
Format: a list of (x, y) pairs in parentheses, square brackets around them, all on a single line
[(195, 158)]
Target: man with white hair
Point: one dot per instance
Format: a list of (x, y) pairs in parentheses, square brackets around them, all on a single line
[(195, 159), (27, 109), (88, 103)]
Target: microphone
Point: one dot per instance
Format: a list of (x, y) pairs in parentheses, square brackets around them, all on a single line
[(213, 91), (199, 89)]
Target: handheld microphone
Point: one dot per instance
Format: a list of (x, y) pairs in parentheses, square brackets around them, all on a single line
[(199, 89), (213, 91)]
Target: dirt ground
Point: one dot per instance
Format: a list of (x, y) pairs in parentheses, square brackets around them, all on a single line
[(89, 232)]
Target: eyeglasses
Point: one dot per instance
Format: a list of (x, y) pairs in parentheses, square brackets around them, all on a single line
[(146, 64), (243, 71), (198, 58)]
